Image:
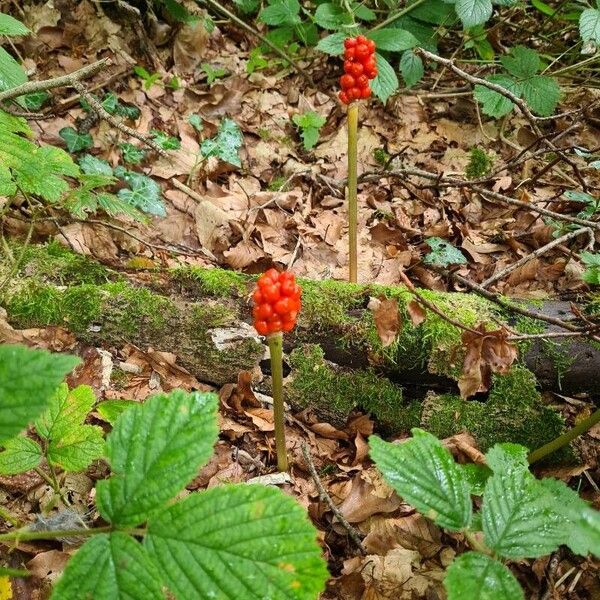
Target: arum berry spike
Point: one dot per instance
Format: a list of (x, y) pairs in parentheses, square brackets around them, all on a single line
[(276, 306), (360, 67)]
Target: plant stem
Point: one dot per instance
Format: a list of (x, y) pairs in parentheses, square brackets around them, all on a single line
[(4, 514), (395, 17), (565, 438), (476, 544), (23, 535), (276, 350), (352, 190)]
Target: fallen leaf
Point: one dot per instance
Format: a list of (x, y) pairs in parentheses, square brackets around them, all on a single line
[(416, 312), (387, 322)]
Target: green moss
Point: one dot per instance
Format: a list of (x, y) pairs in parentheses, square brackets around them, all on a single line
[(316, 383), (218, 283), (513, 412)]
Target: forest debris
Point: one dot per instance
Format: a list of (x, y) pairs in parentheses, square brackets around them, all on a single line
[(387, 322)]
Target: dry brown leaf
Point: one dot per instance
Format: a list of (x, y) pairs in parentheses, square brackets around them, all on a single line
[(189, 46), (416, 312), (387, 321)]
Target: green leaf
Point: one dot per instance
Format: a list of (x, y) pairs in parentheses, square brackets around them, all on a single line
[(154, 450), (544, 8), (332, 17), (91, 165), (111, 410), (27, 379), (109, 567), (589, 25), (492, 103), (310, 124), (20, 454), (8, 187), (11, 72), (582, 523), (507, 456), (424, 473), (132, 154), (590, 259), (226, 144), (128, 111), (362, 12), (76, 141), (443, 253), (579, 196), (332, 44), (145, 194), (541, 94), (473, 12), (77, 449), (411, 67), (179, 12), (522, 62), (248, 7), (34, 101), (280, 12), (165, 141), (10, 26), (394, 40), (196, 122), (258, 536), (477, 476), (386, 82), (475, 576), (110, 103), (517, 514)]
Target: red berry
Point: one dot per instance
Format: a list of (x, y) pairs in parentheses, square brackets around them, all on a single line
[(264, 311), (288, 325), (356, 70), (282, 307), (346, 82), (349, 53), (288, 287), (361, 39), (271, 293), (257, 296), (274, 326), (344, 98), (369, 63), (361, 52), (371, 46), (272, 274), (349, 43), (362, 81), (365, 92), (355, 92), (261, 327), (371, 73), (348, 66)]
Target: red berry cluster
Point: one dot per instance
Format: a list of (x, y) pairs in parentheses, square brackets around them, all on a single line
[(359, 67), (276, 302)]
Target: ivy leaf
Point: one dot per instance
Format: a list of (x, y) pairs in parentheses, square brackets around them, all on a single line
[(11, 72), (411, 67), (20, 454), (475, 576), (386, 81), (74, 140), (154, 450), (473, 12), (394, 40), (517, 516), (492, 103), (226, 144), (310, 124), (111, 410), (332, 17), (542, 94), (165, 141), (196, 122), (258, 535), (132, 154), (34, 101), (333, 44), (280, 12), (27, 379), (10, 26), (145, 193), (443, 253), (128, 111), (424, 473), (109, 567), (589, 25), (92, 165)]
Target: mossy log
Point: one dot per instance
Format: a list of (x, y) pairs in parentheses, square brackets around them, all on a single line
[(336, 359)]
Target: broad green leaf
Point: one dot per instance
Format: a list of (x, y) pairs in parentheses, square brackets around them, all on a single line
[(475, 576), (74, 140), (92, 165), (145, 193), (154, 450), (111, 410), (589, 25), (386, 82), (544, 8), (258, 536), (411, 67), (10, 26), (517, 514), (590, 259), (165, 141), (248, 7), (109, 567), (443, 253), (473, 12), (331, 16), (502, 457), (310, 124), (281, 12), (424, 473), (541, 94), (333, 44), (362, 12), (11, 72), (20, 454), (34, 101), (132, 154), (522, 62), (492, 103), (8, 187), (436, 12), (582, 522), (226, 144), (394, 40), (27, 380), (579, 196), (477, 476), (77, 449)]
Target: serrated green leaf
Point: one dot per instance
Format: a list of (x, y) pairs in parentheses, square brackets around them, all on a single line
[(78, 448), (475, 576), (393, 40), (20, 454), (226, 144), (386, 82), (34, 101), (443, 253), (589, 25), (111, 410), (492, 103), (145, 194), (109, 567), (258, 535), (332, 44), (522, 62), (10, 26), (27, 380), (507, 456), (331, 16), (411, 67), (92, 165), (132, 154), (8, 186), (424, 473), (154, 450), (67, 409), (74, 140), (473, 12), (477, 476), (582, 523), (11, 72), (517, 516), (281, 12), (542, 94)]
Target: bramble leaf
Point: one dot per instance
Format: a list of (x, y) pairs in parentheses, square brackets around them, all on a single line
[(492, 103), (332, 44), (386, 82), (310, 124), (589, 25), (111, 410), (332, 17), (473, 12), (394, 40), (280, 12), (541, 94), (11, 72), (522, 62), (411, 67), (20, 454)]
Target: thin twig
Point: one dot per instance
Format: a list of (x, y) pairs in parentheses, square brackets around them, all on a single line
[(352, 532)]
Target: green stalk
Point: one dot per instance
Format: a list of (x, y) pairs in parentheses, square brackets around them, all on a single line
[(565, 438), (22, 535), (276, 350), (352, 190)]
